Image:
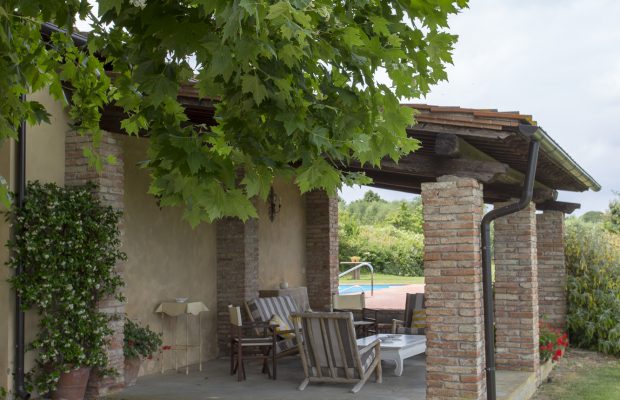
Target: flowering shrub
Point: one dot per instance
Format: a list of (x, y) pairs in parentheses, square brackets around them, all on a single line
[(68, 244), (593, 287), (553, 343), (140, 341)]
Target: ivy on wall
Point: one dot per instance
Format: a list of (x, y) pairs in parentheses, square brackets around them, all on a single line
[(69, 244)]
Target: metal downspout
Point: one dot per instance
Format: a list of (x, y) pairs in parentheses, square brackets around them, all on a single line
[(20, 347), (526, 197)]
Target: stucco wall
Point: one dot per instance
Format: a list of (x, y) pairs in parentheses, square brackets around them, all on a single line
[(282, 241), (166, 258), (6, 297)]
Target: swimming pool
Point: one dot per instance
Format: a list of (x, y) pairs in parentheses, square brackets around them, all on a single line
[(351, 289)]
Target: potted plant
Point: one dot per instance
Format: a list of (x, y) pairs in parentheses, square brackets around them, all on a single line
[(140, 343), (68, 244)]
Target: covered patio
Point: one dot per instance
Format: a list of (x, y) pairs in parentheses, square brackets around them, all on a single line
[(468, 158)]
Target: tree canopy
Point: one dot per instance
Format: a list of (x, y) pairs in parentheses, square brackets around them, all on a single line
[(294, 83)]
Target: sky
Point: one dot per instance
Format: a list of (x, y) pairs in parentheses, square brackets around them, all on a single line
[(557, 60)]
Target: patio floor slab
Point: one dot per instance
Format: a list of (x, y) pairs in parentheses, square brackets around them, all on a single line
[(214, 382)]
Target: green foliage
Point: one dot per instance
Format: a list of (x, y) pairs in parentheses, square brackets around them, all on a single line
[(612, 222), (593, 217), (294, 79), (3, 393), (387, 234), (69, 244), (593, 265), (389, 250), (140, 341), (371, 196)]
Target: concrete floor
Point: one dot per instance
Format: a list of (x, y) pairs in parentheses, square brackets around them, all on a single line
[(214, 382)]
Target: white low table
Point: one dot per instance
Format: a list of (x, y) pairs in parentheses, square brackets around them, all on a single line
[(397, 347)]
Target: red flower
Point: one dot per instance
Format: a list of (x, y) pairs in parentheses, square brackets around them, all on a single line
[(558, 353), (166, 347)]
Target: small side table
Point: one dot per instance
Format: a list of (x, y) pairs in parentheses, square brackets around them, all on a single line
[(175, 309)]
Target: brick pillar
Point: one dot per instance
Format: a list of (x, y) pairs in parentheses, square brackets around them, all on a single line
[(453, 210), (110, 190), (551, 268), (237, 270), (516, 291), (321, 249)]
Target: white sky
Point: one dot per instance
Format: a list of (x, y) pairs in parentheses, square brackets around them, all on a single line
[(558, 60)]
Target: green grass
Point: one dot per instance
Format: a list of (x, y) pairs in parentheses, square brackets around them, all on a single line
[(583, 376), (595, 384), (383, 279)]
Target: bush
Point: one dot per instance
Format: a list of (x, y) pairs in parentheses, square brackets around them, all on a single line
[(388, 249), (593, 267), (69, 244), (140, 341)]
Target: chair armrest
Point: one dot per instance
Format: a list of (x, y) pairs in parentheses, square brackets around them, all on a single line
[(367, 348), (373, 311), (396, 323)]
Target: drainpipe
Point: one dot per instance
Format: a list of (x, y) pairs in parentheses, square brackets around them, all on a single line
[(530, 132), (20, 347)]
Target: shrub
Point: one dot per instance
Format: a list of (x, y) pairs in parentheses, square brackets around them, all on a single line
[(388, 249), (593, 266), (68, 244), (140, 341)]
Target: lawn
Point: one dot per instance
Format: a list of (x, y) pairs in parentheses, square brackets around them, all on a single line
[(383, 279), (583, 375)]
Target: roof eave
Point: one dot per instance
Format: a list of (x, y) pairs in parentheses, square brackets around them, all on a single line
[(559, 155)]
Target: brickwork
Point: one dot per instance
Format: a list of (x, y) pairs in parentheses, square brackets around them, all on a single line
[(516, 291), (110, 190), (453, 210), (237, 270), (321, 249), (551, 268)]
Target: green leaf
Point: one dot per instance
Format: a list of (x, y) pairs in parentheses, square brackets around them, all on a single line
[(253, 85)]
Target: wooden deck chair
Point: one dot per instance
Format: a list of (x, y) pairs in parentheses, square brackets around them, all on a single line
[(357, 302), (329, 352), (414, 321)]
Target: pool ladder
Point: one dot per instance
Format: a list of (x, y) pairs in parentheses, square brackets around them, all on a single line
[(357, 266)]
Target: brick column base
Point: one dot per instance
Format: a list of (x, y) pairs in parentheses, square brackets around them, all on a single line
[(516, 291), (551, 268), (110, 189), (237, 270), (321, 249), (453, 210)]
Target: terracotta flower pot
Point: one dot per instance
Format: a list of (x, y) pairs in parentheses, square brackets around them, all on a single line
[(72, 385), (132, 368)]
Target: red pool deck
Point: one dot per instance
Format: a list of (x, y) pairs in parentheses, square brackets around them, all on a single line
[(393, 297)]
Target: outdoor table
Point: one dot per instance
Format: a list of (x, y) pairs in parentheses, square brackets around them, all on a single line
[(175, 309), (397, 347)]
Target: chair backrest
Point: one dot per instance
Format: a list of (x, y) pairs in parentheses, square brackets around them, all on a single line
[(355, 301), (329, 349), (415, 301), (235, 315), (262, 309)]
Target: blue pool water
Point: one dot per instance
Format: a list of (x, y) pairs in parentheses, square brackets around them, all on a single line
[(351, 289)]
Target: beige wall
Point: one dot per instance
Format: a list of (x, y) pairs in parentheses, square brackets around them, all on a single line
[(45, 155), (6, 295), (166, 259), (282, 242)]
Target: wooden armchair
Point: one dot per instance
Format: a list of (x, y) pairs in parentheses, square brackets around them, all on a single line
[(357, 302), (244, 345), (329, 352), (414, 321)]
